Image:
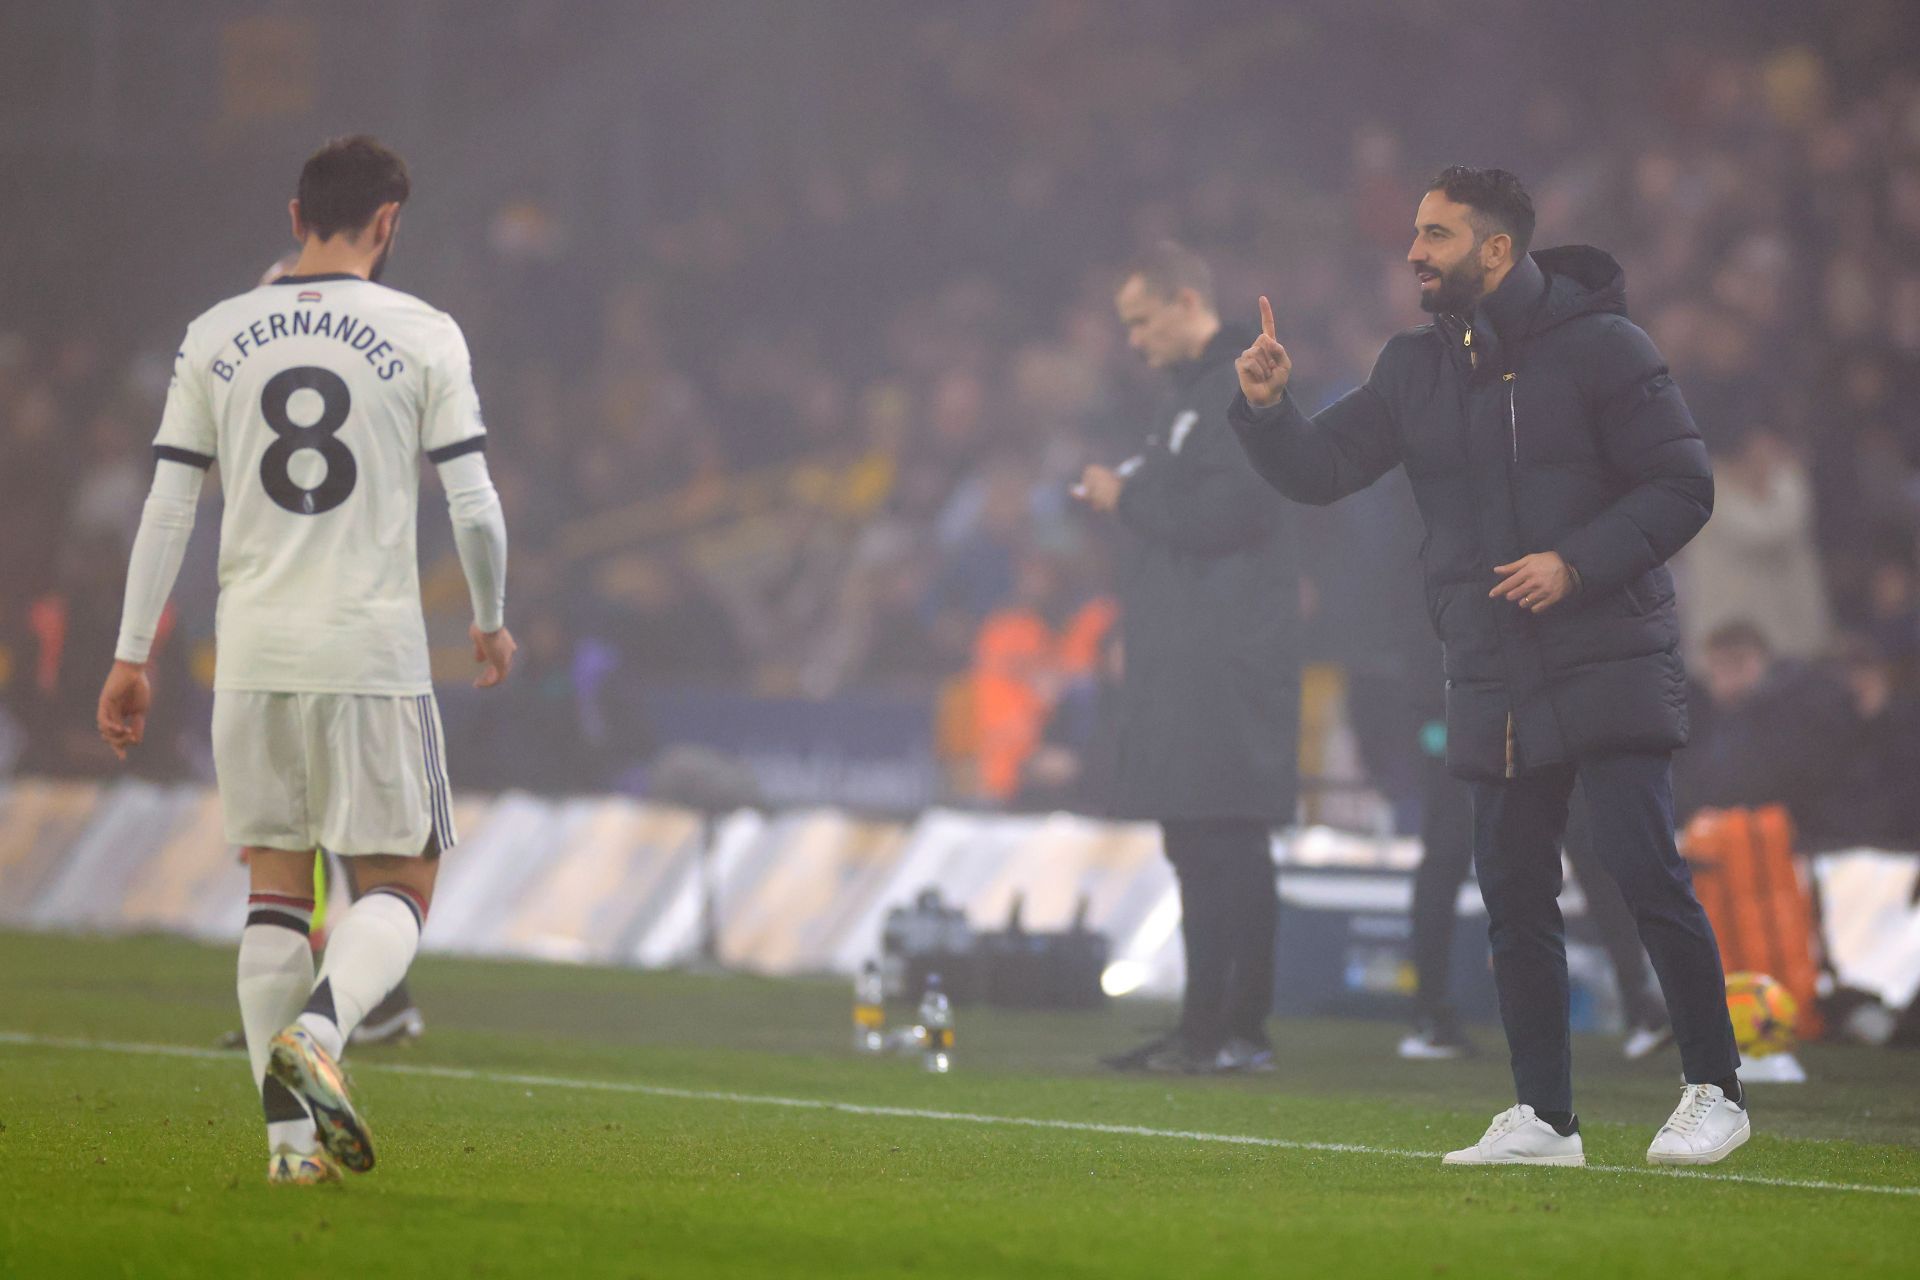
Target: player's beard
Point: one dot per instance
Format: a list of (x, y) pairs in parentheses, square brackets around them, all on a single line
[(1458, 290)]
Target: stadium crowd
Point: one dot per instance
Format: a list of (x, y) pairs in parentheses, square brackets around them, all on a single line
[(815, 435)]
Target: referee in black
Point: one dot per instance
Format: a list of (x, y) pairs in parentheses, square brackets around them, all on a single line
[(1209, 720), (1556, 468)]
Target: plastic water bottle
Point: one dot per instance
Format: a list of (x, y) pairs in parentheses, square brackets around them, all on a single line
[(869, 1010), (936, 1019)]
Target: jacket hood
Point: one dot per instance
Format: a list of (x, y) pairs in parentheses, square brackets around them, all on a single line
[(1544, 289), (1581, 280)]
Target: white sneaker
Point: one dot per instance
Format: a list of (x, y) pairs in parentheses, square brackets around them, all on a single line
[(1435, 1040), (1704, 1129), (403, 1027), (1642, 1041), (1418, 1046), (1517, 1136), (1772, 1068)]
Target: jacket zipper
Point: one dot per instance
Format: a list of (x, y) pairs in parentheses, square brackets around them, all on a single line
[(1513, 430), (1513, 412)]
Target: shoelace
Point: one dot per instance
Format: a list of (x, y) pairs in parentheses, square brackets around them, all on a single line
[(1695, 1103), (1505, 1123)]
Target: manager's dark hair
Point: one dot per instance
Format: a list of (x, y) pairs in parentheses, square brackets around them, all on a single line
[(345, 182), (1499, 202), (1167, 267)]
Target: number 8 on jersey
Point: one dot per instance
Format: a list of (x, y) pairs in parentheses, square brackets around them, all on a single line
[(275, 465)]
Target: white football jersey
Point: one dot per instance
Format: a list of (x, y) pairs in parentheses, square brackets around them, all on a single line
[(318, 396)]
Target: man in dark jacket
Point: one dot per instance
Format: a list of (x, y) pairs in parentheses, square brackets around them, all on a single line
[(1209, 722), (1556, 468), (1772, 731), (1873, 801)]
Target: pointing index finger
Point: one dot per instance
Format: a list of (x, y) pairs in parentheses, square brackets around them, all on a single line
[(1266, 315)]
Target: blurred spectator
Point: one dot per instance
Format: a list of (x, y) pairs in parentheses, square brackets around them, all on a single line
[(1016, 677), (33, 489), (103, 511), (1755, 561), (1025, 656), (73, 629), (1873, 800), (1769, 731), (1074, 766), (1893, 613)]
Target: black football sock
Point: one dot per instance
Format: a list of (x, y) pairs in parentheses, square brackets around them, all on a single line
[(1732, 1088)]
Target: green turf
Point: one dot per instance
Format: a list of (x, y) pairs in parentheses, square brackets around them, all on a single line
[(120, 1164)]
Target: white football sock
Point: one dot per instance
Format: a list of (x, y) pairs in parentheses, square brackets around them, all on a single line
[(274, 976), (367, 956)]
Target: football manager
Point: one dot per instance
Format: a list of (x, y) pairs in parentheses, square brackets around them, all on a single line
[(1557, 469)]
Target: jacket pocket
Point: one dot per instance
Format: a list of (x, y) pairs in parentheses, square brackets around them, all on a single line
[(1640, 597)]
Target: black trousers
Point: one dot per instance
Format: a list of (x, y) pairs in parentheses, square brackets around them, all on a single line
[(1446, 835), (1518, 826), (1229, 907)]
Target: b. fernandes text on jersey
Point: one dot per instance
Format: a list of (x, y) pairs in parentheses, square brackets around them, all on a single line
[(300, 323)]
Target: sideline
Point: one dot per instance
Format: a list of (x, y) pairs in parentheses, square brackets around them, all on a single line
[(28, 1040)]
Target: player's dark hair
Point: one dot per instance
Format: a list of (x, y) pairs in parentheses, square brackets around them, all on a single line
[(345, 182), (1167, 267), (1499, 202)]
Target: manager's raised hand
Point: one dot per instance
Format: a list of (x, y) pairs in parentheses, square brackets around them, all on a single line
[(1264, 366)]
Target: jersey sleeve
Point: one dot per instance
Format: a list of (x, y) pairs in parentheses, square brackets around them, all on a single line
[(187, 432), (451, 424)]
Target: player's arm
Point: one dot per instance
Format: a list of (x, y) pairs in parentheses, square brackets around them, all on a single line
[(455, 440), (183, 453), (480, 537)]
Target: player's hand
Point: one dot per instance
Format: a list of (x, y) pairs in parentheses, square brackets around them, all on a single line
[(493, 650), (1536, 583), (1100, 488), (124, 702), (1265, 366)]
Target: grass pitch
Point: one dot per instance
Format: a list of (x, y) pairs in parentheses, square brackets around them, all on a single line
[(561, 1121)]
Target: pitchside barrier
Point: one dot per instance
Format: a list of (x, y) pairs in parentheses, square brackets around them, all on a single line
[(613, 880)]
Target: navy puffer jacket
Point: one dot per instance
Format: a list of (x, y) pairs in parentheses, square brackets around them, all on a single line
[(1545, 420)]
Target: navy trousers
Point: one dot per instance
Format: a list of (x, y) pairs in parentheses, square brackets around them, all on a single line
[(1446, 834), (1518, 824)]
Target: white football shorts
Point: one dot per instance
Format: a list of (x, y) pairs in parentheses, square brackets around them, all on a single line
[(351, 773)]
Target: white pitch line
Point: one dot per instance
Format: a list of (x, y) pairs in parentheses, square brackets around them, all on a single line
[(30, 1040)]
